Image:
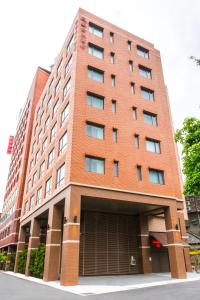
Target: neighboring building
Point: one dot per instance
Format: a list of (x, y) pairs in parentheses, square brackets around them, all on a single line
[(193, 210), (9, 219), (103, 187)]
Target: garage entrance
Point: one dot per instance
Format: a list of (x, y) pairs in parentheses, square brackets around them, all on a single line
[(108, 244)]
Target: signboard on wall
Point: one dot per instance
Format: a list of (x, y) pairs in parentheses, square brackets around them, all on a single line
[(10, 144)]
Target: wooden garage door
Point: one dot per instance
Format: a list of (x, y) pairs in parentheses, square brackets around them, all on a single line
[(107, 243)]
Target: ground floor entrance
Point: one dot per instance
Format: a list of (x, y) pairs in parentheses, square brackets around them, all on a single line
[(108, 244)]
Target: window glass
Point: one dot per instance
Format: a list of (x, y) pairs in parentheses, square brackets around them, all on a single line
[(156, 176), (95, 101), (96, 75), (96, 30), (94, 165), (95, 51), (95, 131)]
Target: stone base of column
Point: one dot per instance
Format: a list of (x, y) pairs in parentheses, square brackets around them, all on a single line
[(70, 264)]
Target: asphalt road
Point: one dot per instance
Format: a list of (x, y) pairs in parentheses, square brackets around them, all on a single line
[(12, 288)]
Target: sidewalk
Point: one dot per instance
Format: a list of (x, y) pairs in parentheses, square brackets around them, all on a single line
[(109, 284)]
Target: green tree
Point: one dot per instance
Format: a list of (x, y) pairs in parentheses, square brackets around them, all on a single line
[(196, 60), (189, 137)]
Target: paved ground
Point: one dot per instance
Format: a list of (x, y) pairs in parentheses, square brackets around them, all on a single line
[(12, 288)]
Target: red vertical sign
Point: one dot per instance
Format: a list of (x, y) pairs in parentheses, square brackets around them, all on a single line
[(10, 144)]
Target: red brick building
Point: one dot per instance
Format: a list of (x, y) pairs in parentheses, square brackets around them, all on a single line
[(9, 220), (103, 188)]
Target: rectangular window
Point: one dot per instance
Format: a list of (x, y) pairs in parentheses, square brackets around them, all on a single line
[(112, 57), (95, 165), (129, 45), (130, 65), (113, 80), (47, 123), (96, 30), (57, 87), (114, 135), (31, 165), (51, 157), (156, 176), (143, 52), (70, 44), (37, 156), (32, 202), (41, 117), (53, 131), (60, 176), (114, 106), (132, 86), (145, 72), (44, 145), (39, 135), (28, 186), (49, 103), (147, 94), (34, 178), (116, 168), (39, 196), (59, 67), (95, 51), (96, 131), (62, 143), (139, 173), (134, 113), (153, 145), (95, 101), (48, 187), (35, 130), (64, 114), (67, 87), (112, 37), (68, 65), (55, 108), (26, 207), (41, 170), (150, 118), (33, 147), (136, 141), (96, 74)]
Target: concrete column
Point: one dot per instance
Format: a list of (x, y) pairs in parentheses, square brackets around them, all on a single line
[(34, 241), (184, 238), (175, 247), (20, 246), (71, 240), (8, 258), (53, 244), (145, 245)]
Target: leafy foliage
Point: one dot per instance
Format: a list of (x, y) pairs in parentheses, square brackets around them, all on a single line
[(22, 261), (189, 137), (12, 261), (3, 258), (197, 60), (36, 265)]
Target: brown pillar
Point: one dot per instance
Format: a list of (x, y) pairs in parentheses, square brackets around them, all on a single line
[(20, 246), (34, 241), (7, 267), (184, 238), (145, 245), (175, 247), (71, 239), (53, 245)]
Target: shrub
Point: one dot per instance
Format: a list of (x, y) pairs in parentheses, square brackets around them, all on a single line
[(22, 261), (36, 265), (12, 261), (3, 258)]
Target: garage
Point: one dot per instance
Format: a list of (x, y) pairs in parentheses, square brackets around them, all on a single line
[(108, 244)]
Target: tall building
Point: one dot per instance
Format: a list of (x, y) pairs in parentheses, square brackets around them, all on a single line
[(9, 220), (102, 188)]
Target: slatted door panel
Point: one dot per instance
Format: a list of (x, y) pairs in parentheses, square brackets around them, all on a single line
[(107, 243)]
